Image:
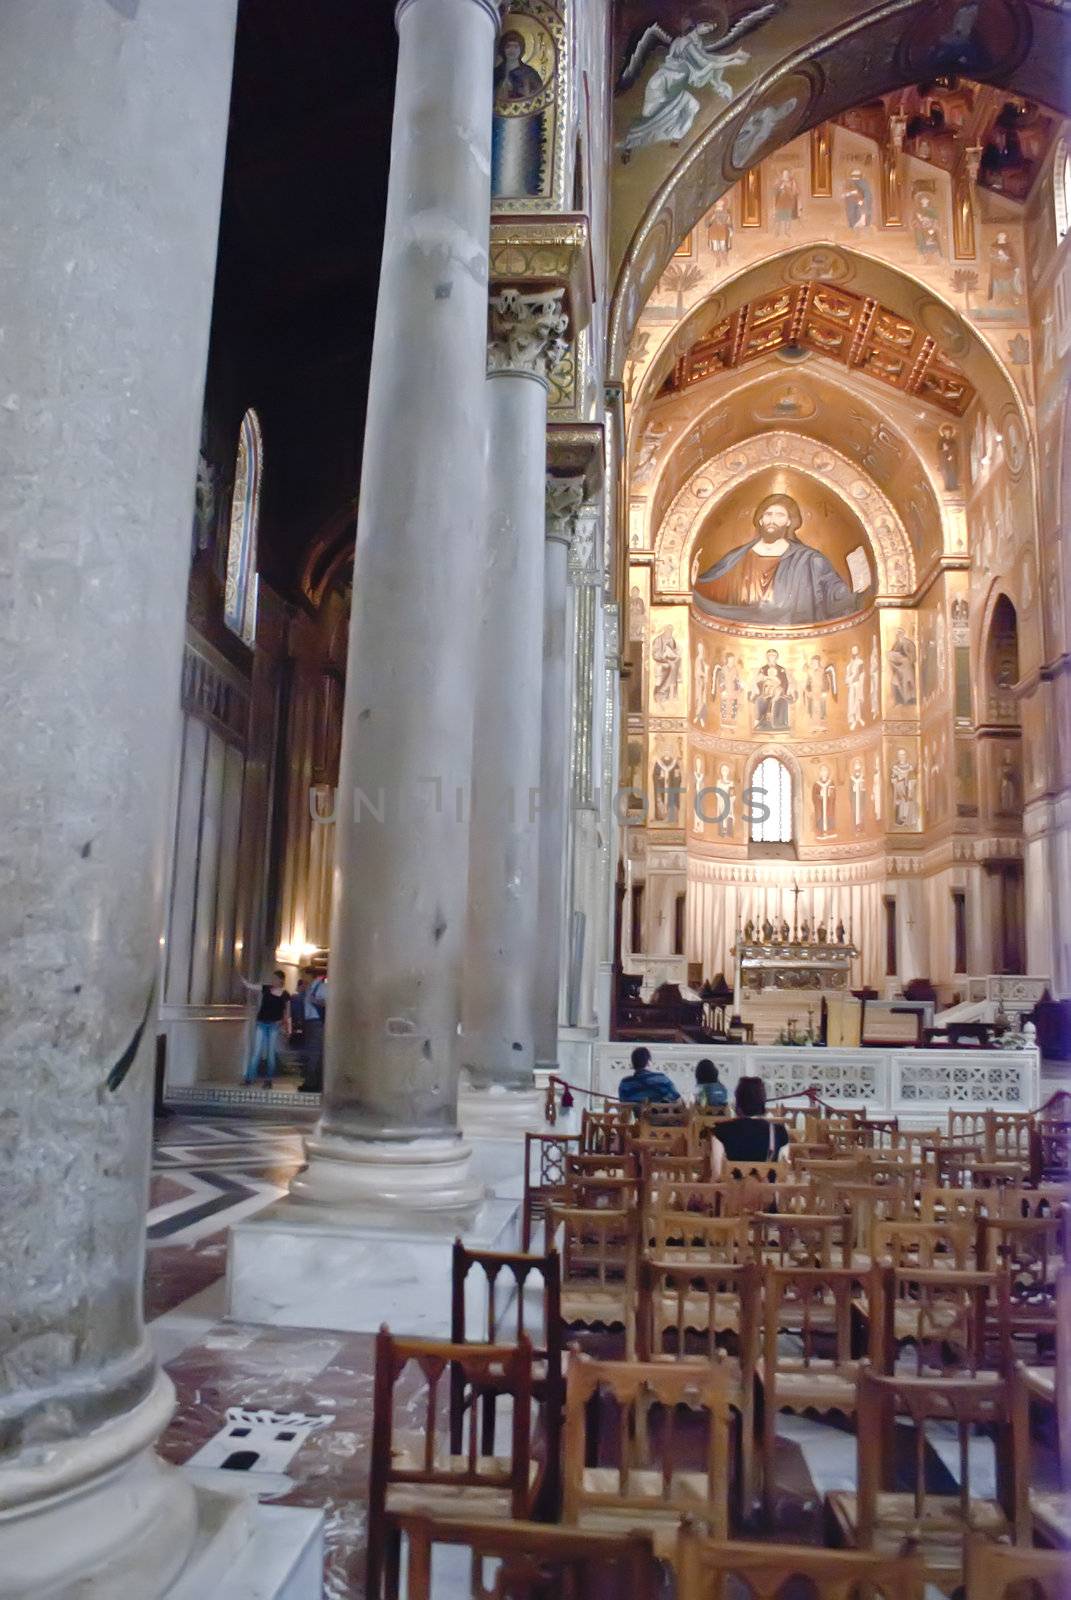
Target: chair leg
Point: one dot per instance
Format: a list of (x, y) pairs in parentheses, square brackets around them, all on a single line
[(373, 1571), (392, 1565), (769, 1451)]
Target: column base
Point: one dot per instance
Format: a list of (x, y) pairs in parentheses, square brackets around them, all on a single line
[(500, 1113), (355, 1179), (97, 1516)]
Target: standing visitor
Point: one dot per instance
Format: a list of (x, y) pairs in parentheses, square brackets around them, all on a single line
[(315, 1013), (273, 1013)]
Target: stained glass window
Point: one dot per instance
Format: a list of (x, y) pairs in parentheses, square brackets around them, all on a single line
[(771, 793), (240, 604)]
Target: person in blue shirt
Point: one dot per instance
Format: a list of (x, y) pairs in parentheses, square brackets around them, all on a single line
[(644, 1084), (710, 1091)]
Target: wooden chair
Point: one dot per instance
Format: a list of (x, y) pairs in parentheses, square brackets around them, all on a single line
[(816, 1304), (415, 1473), (866, 1204), (747, 1186), (647, 1489), (660, 1169), (1027, 1253), (599, 1252), (942, 1313), (1048, 1511), (545, 1155), (924, 1244), (799, 1239), (685, 1312), (604, 1132), (711, 1569), (1008, 1572), (507, 1277), (683, 1236), (880, 1518), (536, 1562)]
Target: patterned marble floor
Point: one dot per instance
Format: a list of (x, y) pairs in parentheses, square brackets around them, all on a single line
[(211, 1171)]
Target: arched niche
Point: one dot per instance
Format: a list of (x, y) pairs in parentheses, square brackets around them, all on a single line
[(815, 401), (681, 527), (816, 75), (1001, 663)]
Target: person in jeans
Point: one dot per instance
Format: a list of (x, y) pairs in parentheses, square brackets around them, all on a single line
[(643, 1083), (273, 1014)]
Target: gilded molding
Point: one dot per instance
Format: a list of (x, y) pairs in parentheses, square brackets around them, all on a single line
[(534, 253)]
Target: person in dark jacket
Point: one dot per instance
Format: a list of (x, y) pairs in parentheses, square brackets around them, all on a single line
[(644, 1084)]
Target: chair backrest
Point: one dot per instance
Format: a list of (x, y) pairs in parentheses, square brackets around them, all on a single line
[(600, 1166), (656, 1114), (847, 1169), (646, 1475), (684, 1307), (599, 1248), (485, 1368), (746, 1186), (1039, 1200), (942, 1203), (660, 1169), (1008, 1135), (1009, 1572), (507, 1274), (536, 1561), (653, 1141), (963, 1403), (601, 1192), (694, 1236), (802, 1239), (672, 1193), (801, 1299), (923, 1244), (941, 1313), (711, 1569), (865, 1204), (603, 1132), (545, 1155)]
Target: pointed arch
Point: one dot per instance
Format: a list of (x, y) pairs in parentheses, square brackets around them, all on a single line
[(240, 600)]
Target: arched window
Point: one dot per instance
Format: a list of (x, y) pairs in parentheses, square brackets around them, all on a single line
[(240, 603), (1061, 188), (771, 802)]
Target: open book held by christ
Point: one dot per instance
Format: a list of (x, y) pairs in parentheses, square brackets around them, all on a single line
[(776, 578)]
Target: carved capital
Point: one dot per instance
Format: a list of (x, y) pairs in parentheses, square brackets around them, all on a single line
[(526, 331), (565, 497)]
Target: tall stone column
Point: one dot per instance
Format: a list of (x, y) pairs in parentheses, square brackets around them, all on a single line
[(115, 126), (388, 1134), (500, 960), (565, 496)]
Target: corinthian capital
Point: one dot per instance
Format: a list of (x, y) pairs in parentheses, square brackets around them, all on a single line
[(526, 331), (565, 497)]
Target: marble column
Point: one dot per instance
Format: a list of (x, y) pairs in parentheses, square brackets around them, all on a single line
[(565, 496), (115, 124), (498, 1049), (388, 1134)]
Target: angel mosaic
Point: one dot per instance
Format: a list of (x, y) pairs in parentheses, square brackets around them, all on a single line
[(696, 58)]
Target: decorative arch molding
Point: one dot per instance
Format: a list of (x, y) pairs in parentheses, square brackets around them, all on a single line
[(857, 58), (903, 294), (708, 484)]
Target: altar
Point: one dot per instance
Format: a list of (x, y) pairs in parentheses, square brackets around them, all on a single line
[(793, 965)]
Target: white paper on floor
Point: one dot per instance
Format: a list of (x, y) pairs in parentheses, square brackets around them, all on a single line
[(257, 1441)]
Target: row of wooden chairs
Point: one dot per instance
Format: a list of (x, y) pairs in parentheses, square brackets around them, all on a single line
[(536, 1562), (668, 1444)]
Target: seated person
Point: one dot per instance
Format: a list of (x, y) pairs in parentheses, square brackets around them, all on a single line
[(711, 1091), (644, 1084), (750, 1135)]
